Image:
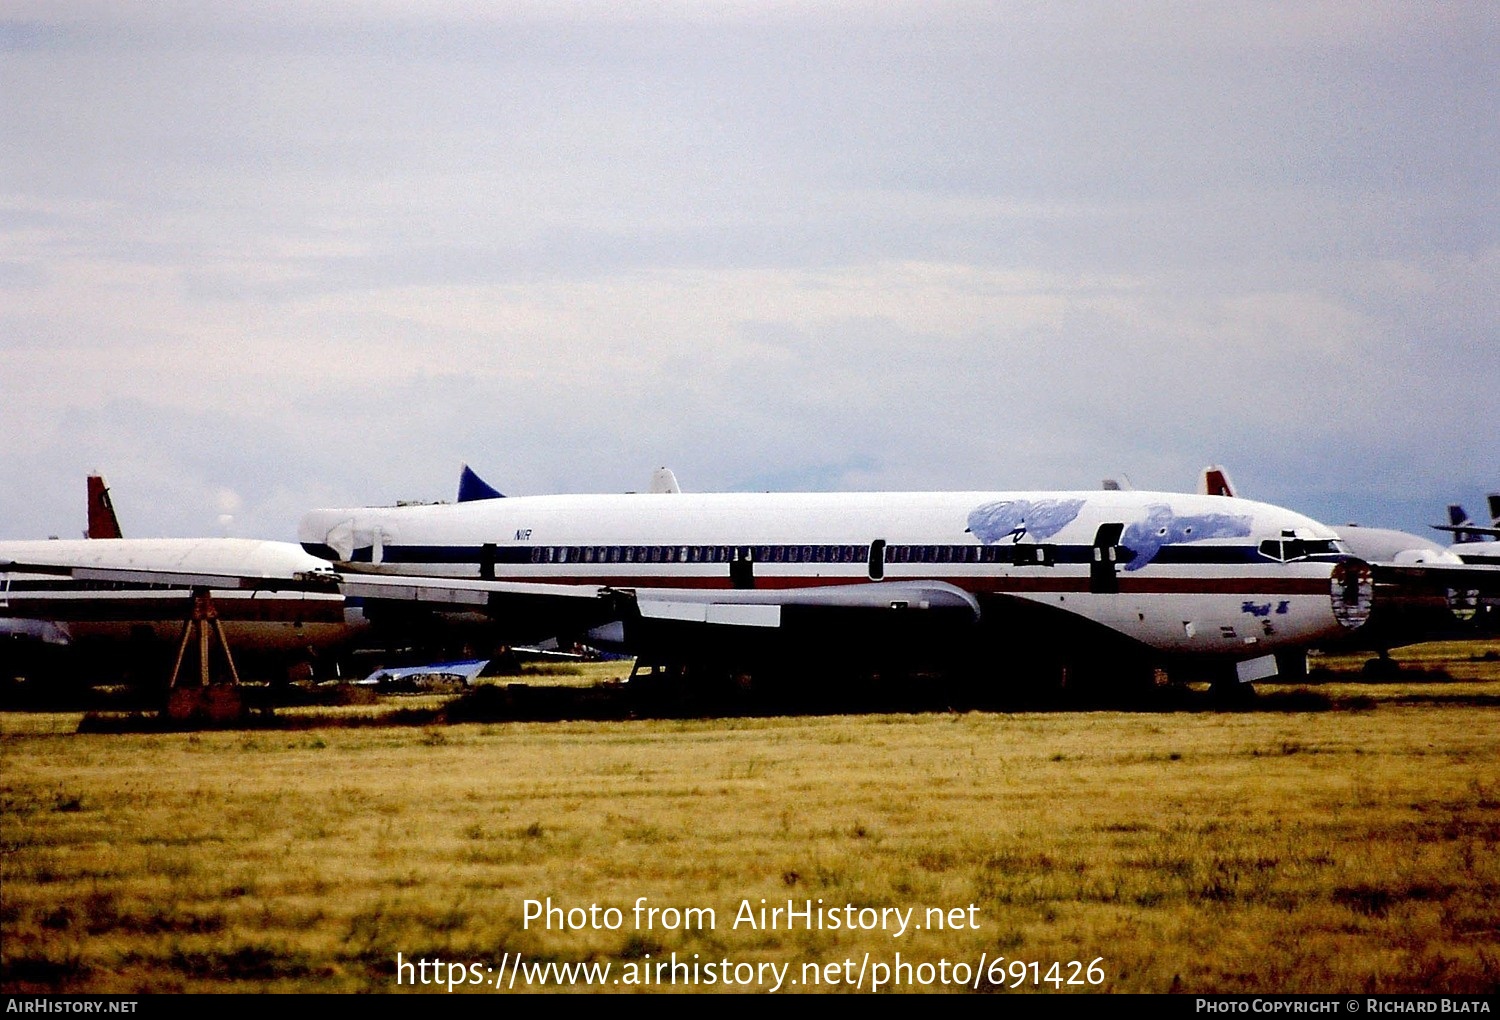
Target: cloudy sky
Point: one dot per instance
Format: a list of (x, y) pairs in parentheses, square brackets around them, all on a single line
[(264, 256)]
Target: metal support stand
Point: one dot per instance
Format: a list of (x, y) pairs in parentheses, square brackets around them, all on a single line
[(204, 699)]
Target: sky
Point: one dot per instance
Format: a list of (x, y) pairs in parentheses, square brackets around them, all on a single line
[(266, 256)]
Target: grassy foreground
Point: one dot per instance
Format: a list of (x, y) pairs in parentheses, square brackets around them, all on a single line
[(1344, 850)]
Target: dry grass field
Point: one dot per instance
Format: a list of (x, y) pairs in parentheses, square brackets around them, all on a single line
[(1347, 849)]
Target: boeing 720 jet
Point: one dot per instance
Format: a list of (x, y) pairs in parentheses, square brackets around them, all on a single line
[(1080, 581)]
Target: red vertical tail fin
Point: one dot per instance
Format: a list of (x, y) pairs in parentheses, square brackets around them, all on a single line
[(102, 520), (1216, 482)]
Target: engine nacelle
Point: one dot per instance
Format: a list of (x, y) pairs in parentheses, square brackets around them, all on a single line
[(1382, 614), (1352, 591)]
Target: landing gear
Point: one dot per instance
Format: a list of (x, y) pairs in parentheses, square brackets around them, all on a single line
[(1382, 667), (1232, 693)]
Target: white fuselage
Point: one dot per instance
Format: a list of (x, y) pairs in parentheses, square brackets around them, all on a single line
[(1196, 575), (109, 613)]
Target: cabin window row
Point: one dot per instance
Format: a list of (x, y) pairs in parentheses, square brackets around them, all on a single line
[(700, 553), (968, 554), (832, 554)]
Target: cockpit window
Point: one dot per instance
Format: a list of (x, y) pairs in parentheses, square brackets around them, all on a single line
[(1287, 549)]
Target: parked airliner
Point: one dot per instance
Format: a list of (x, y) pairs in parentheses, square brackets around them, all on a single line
[(1084, 580), (109, 624)]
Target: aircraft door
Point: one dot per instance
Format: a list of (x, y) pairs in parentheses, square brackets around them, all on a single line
[(742, 568), (1105, 558), (877, 559)]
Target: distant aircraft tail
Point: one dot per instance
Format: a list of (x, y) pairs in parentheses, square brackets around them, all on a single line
[(1463, 527), (663, 481), (102, 520), (1458, 517), (471, 487), (1216, 481)]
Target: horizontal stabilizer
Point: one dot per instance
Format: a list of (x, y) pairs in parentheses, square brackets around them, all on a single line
[(1464, 534), (1464, 529)]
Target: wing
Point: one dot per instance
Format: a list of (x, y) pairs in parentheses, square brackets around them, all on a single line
[(640, 620), (1482, 578), (113, 620), (905, 622), (565, 607), (768, 607)]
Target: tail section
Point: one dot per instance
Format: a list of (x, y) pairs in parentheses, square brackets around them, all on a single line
[(1216, 481), (1465, 531), (471, 487), (102, 520), (663, 481), (1459, 521)]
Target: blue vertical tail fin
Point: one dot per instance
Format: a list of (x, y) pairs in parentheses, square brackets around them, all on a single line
[(471, 487)]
